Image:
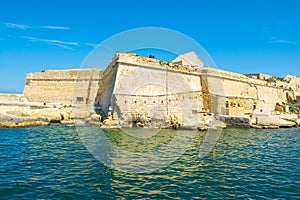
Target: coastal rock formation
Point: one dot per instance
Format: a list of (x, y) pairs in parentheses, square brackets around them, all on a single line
[(15, 121), (16, 114), (242, 121)]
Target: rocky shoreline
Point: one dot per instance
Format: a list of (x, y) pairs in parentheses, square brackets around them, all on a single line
[(24, 114)]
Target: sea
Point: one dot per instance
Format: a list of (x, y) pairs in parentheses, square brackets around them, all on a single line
[(55, 162)]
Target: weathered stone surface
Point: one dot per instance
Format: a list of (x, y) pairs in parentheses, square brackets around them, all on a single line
[(96, 117), (289, 117), (202, 128), (286, 124), (95, 123), (264, 126), (110, 122), (276, 121), (12, 98), (150, 92), (68, 121), (25, 123), (272, 120), (236, 120), (63, 86)]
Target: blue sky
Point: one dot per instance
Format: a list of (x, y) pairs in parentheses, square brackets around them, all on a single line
[(241, 36)]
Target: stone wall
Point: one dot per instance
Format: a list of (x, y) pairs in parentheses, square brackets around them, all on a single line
[(243, 94), (134, 87), (63, 86), (137, 87), (150, 90), (294, 84), (106, 87), (12, 98)]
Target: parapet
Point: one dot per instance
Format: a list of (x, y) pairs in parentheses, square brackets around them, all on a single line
[(133, 59), (70, 74)]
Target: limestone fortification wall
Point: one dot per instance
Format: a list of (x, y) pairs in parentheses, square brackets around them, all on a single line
[(132, 86), (243, 94), (63, 86), (149, 92), (294, 83), (157, 94), (138, 86), (12, 98), (106, 87)]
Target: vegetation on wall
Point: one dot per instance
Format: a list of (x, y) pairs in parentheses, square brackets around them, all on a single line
[(294, 106)]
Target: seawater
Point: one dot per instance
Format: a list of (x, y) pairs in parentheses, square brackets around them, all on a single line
[(52, 163)]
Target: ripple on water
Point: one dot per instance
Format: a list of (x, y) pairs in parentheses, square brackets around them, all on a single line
[(51, 162)]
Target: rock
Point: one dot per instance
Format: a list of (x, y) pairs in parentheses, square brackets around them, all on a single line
[(283, 120), (280, 108), (47, 114), (68, 121), (65, 116), (4, 118), (110, 126), (95, 123), (169, 126), (236, 120), (290, 117), (264, 127), (80, 114), (202, 128), (96, 117), (266, 120), (256, 126), (23, 124), (271, 127), (176, 126), (110, 122), (140, 124), (15, 113), (71, 115), (286, 124)]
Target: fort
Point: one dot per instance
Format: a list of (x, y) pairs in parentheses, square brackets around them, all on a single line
[(141, 91)]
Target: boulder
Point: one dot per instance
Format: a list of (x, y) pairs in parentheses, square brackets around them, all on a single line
[(272, 121), (286, 123), (236, 120), (110, 122)]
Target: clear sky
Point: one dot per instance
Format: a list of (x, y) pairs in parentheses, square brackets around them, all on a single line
[(241, 36)]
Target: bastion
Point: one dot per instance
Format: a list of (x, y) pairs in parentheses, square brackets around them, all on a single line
[(141, 91)]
